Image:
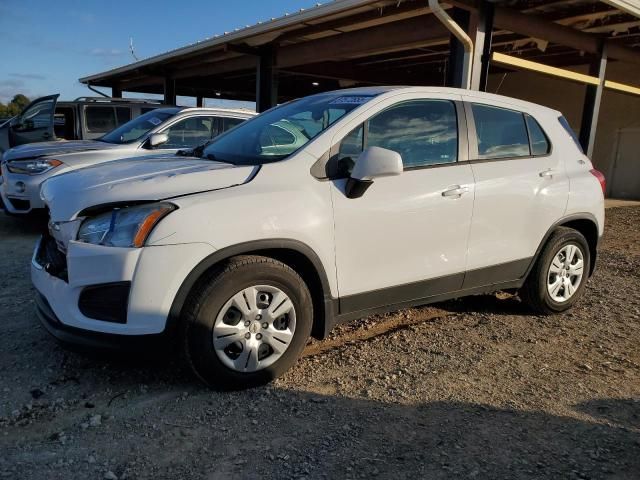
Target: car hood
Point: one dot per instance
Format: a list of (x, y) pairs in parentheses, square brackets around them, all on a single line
[(60, 147), (148, 179)]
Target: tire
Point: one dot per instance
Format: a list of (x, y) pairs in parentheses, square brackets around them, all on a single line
[(542, 280), (228, 321)]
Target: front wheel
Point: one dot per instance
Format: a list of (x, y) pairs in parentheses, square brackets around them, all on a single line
[(560, 274), (247, 323)]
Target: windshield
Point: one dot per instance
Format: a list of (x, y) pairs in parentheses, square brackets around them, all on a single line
[(139, 126), (278, 133)]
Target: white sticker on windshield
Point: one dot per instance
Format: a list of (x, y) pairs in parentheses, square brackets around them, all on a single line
[(350, 100), (156, 121)]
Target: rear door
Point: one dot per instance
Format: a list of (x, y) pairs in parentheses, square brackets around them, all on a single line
[(35, 123), (521, 191)]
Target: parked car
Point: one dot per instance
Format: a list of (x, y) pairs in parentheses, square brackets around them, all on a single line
[(162, 130), (85, 118), (399, 197)]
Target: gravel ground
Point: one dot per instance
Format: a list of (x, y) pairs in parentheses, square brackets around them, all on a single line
[(474, 388)]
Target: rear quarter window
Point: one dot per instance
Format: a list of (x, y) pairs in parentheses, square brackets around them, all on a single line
[(539, 141), (565, 124)]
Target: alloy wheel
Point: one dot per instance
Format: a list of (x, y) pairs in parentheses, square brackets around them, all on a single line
[(565, 273)]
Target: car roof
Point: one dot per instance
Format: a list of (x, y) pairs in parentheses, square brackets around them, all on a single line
[(232, 112), (482, 96)]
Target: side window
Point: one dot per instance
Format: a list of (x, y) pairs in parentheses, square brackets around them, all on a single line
[(501, 133), (100, 119), (424, 132), (189, 132), (229, 123), (539, 142), (123, 114), (37, 116)]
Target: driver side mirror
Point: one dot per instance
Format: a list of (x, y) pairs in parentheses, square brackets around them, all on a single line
[(372, 163), (158, 139)]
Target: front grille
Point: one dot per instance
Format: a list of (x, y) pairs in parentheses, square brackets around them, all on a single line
[(52, 259), (18, 204), (107, 302)]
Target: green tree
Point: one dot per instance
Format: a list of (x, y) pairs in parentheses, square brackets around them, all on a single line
[(15, 106), (20, 101)]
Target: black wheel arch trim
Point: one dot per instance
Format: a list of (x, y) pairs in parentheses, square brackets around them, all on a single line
[(560, 223), (252, 247)]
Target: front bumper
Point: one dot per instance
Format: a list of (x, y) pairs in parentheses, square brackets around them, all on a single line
[(21, 200), (94, 340), (155, 274)]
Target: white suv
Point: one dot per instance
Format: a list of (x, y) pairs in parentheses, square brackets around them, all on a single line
[(321, 210)]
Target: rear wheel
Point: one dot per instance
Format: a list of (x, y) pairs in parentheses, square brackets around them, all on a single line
[(559, 277), (247, 323)]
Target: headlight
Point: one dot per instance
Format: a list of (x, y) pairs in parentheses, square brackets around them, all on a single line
[(126, 227), (33, 167)]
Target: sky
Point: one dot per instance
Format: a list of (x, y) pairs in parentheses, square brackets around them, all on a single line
[(45, 46)]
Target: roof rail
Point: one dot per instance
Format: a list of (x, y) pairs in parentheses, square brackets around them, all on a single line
[(124, 100)]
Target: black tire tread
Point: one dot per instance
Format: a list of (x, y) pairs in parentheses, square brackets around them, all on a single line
[(531, 293), (203, 289)]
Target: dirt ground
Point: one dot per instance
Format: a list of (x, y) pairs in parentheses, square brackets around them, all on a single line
[(474, 388)]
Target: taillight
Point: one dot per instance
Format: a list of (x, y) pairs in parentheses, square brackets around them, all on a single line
[(600, 176)]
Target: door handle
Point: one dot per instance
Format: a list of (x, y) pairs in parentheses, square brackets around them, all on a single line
[(46, 135), (456, 191), (548, 173)]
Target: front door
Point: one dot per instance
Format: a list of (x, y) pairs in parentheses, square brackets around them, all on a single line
[(406, 238), (35, 123)]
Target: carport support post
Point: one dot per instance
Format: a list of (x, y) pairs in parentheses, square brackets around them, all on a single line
[(266, 81), (116, 91), (456, 57), (199, 101), (592, 100), (169, 91), (482, 46)]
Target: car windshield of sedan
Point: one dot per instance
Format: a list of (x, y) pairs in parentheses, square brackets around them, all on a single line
[(138, 127), (279, 132)]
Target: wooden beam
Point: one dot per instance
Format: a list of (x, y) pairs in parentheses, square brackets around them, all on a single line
[(367, 19), (516, 62), (145, 80), (536, 27), (225, 66), (411, 33), (368, 76)]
